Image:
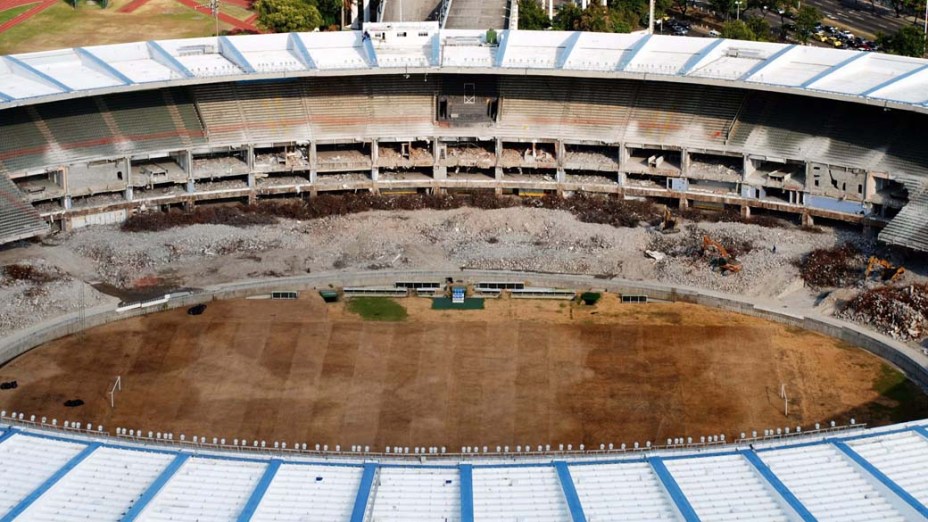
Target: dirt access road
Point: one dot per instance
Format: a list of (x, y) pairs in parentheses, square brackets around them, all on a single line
[(518, 373)]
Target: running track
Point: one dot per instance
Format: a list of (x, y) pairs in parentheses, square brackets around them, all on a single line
[(132, 6), (22, 17), (234, 22)]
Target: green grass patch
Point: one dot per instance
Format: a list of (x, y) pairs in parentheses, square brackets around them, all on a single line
[(61, 26), (9, 14), (377, 308), (891, 384)]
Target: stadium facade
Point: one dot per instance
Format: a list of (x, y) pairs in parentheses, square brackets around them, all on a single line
[(92, 134)]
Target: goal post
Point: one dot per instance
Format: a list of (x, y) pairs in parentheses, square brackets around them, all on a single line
[(117, 386)]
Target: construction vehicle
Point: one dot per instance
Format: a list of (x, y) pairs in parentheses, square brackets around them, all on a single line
[(723, 261), (888, 272), (669, 225)]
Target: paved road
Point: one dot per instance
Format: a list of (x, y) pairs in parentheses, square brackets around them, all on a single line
[(409, 10)]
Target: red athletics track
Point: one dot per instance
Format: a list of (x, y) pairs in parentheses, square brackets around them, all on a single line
[(235, 22), (132, 6), (22, 17)]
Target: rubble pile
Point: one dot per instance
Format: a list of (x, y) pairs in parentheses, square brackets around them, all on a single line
[(587, 208), (832, 267), (900, 312), (236, 216), (37, 274)]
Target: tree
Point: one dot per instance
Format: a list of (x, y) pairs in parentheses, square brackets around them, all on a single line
[(682, 6), (908, 41), (532, 16), (806, 21), (737, 30), (595, 18), (567, 17), (285, 16), (760, 27), (331, 11), (723, 8)]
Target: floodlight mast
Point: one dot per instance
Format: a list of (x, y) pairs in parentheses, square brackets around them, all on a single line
[(651, 17)]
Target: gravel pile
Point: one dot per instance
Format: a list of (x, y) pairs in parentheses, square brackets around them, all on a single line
[(24, 302)]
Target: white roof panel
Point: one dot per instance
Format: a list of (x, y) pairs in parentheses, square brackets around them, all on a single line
[(879, 68), (68, 68), (533, 50), (336, 50), (200, 56), (19, 86), (134, 60), (600, 51)]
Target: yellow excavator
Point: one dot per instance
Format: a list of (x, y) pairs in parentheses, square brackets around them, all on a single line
[(888, 272), (669, 225), (725, 262)]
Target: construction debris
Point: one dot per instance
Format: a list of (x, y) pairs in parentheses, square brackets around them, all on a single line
[(900, 312), (833, 267)]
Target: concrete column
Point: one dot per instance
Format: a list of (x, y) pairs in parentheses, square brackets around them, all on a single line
[(313, 160), (561, 153), (748, 167), (127, 177), (375, 154), (251, 179), (250, 157), (623, 155), (191, 186), (683, 203), (745, 211), (622, 179), (438, 172), (807, 220), (66, 202), (498, 170), (684, 162), (185, 160)]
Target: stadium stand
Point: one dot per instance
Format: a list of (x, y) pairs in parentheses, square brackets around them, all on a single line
[(18, 219), (861, 474), (848, 137), (58, 133)]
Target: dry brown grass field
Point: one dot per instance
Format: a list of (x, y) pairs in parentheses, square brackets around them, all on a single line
[(519, 372)]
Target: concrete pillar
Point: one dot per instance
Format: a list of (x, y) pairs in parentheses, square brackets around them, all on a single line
[(622, 179), (438, 171), (684, 162), (498, 170), (187, 163), (561, 153), (375, 154), (313, 160), (807, 220), (745, 211), (66, 202), (127, 177), (191, 186), (748, 167), (251, 179), (250, 157), (623, 155), (683, 203)]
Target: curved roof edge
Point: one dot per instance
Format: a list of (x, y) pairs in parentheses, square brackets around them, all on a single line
[(417, 48), (810, 477)]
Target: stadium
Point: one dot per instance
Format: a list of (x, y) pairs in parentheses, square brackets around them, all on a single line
[(92, 136)]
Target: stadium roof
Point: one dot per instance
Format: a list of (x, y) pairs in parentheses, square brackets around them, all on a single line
[(858, 475), (874, 78)]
